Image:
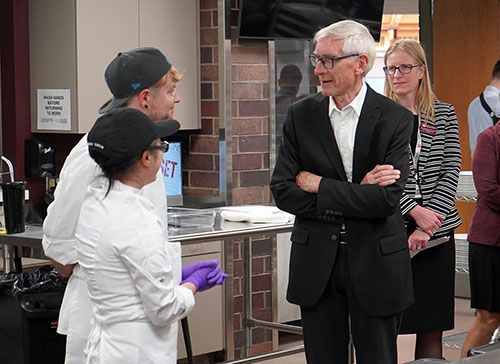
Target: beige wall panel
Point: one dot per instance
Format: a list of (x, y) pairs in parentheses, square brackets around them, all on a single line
[(466, 46), (104, 28), (52, 50), (173, 27)]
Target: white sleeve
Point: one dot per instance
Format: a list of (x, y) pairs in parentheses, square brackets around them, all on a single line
[(155, 192), (149, 264), (59, 227)]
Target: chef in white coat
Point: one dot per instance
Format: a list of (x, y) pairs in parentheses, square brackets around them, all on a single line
[(122, 248), (143, 79)]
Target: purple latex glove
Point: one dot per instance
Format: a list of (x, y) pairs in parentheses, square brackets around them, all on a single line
[(199, 279), (216, 277), (191, 268)]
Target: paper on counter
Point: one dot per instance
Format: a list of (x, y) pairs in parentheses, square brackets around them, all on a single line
[(256, 214)]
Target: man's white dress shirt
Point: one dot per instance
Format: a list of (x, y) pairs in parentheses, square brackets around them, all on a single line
[(479, 119), (344, 123)]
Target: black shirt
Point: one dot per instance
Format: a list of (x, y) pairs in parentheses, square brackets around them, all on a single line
[(413, 140)]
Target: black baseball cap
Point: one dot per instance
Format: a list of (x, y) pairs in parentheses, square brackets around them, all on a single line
[(131, 72), (121, 134)]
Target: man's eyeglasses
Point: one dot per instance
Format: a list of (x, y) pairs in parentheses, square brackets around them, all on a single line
[(327, 62), (403, 69), (163, 146)]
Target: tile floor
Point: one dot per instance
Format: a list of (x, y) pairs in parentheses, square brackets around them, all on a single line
[(463, 319)]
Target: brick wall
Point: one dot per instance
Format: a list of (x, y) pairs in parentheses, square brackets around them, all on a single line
[(250, 123), (250, 118), (250, 155), (200, 161), (250, 106), (261, 295)]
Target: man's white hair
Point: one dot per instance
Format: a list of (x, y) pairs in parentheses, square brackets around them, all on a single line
[(356, 39)]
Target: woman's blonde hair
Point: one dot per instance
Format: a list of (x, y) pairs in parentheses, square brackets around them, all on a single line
[(425, 96)]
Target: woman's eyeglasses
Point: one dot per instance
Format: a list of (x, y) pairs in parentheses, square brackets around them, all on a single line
[(403, 69)]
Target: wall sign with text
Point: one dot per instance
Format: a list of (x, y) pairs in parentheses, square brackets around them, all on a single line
[(54, 109)]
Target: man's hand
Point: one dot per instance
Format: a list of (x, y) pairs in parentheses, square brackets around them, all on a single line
[(428, 220), (417, 240), (382, 175), (308, 181)]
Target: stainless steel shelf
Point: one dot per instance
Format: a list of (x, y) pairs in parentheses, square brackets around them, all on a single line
[(466, 190)]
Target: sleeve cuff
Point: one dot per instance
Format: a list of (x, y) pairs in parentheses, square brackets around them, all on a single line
[(62, 251), (407, 205), (188, 297)]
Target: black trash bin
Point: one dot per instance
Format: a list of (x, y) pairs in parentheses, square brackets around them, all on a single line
[(29, 311)]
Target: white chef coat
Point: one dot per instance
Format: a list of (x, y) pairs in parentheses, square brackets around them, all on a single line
[(59, 242), (124, 258)]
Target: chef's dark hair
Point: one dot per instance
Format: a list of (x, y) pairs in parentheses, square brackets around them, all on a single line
[(119, 138), (113, 172)]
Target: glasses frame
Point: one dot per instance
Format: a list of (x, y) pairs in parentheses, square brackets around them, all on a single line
[(321, 59), (163, 146), (398, 68)]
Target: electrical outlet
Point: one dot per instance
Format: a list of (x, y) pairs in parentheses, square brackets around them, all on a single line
[(51, 183)]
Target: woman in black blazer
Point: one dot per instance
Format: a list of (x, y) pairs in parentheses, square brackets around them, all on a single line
[(428, 201)]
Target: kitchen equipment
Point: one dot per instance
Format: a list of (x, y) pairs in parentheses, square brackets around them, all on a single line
[(39, 158), (181, 217), (13, 204)]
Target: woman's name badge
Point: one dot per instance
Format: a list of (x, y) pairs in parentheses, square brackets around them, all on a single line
[(428, 129)]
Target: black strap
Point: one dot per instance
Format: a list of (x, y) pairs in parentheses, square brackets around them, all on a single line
[(486, 107)]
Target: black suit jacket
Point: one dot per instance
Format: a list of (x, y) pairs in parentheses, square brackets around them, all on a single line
[(378, 256)]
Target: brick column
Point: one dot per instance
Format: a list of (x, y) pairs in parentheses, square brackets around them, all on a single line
[(201, 159), (261, 300), (250, 101), (250, 108), (250, 156), (250, 123)]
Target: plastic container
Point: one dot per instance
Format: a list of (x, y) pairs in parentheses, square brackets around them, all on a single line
[(181, 217)]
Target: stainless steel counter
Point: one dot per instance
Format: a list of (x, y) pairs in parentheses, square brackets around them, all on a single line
[(221, 230), (29, 245)]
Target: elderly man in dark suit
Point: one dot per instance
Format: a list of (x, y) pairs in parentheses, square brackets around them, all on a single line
[(341, 170)]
